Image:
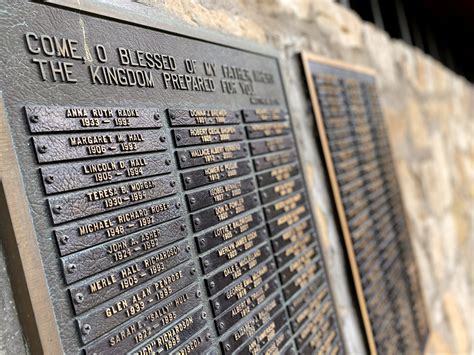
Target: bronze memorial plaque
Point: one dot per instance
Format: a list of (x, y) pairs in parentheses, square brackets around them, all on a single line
[(165, 206), (363, 178)]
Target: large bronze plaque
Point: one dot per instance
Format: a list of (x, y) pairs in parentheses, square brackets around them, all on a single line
[(363, 178), (168, 208)]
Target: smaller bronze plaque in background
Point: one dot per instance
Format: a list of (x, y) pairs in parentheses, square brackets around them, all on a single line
[(363, 180)]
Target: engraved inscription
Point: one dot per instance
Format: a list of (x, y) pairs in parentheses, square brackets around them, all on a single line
[(113, 225), (274, 160), (250, 326), (237, 269), (174, 336), (224, 211), (282, 189), (215, 173), (265, 115), (271, 145), (203, 117), (209, 155), (243, 307), (82, 204), (118, 251), (60, 147), (106, 285), (72, 176), (228, 231), (207, 135), (45, 119), (242, 287), (132, 304), (265, 335), (233, 249), (220, 193), (291, 235), (146, 331), (267, 130)]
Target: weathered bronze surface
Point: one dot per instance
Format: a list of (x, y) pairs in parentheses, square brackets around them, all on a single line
[(363, 179), (162, 183)]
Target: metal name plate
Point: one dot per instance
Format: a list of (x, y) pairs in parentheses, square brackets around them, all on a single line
[(118, 251), (197, 117), (244, 306), (228, 231), (73, 176), (274, 160), (248, 328), (277, 175), (210, 154), (197, 344), (224, 211), (277, 345), (204, 198), (131, 304), (92, 202), (267, 130), (271, 145), (358, 159), (220, 172), (105, 285), (176, 335), (166, 210), (60, 147), (265, 115), (265, 335), (291, 235), (237, 269), (45, 119), (206, 135), (238, 290), (233, 249), (113, 225), (135, 334)]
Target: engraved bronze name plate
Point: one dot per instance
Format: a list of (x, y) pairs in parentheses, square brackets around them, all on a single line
[(363, 179), (165, 210)]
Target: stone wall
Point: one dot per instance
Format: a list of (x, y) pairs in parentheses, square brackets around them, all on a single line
[(429, 114)]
